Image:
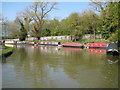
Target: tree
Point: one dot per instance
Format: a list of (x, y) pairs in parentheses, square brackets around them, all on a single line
[(38, 12), (12, 29), (92, 22), (23, 21), (72, 26), (4, 26), (109, 13)]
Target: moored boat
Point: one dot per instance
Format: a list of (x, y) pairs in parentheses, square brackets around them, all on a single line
[(49, 43), (74, 45), (112, 49), (25, 42), (9, 42), (21, 42), (97, 45), (113, 52), (30, 43)]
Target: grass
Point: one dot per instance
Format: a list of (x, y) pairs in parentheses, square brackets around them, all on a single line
[(6, 50), (70, 41), (94, 40)]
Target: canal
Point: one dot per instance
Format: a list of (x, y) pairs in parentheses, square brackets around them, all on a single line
[(53, 67)]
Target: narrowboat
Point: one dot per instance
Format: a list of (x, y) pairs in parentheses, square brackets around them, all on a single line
[(74, 45), (98, 45), (9, 42), (30, 43), (49, 43), (25, 42), (20, 42)]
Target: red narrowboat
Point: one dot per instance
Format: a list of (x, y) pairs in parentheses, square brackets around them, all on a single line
[(74, 45), (97, 45)]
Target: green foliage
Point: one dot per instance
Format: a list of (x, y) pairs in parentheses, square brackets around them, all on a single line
[(75, 25), (23, 32), (45, 32), (115, 36), (110, 20)]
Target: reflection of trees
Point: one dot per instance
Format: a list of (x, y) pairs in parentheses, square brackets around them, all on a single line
[(88, 69), (91, 70), (33, 64)]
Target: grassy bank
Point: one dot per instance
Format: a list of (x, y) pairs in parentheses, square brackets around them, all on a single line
[(6, 51), (80, 41)]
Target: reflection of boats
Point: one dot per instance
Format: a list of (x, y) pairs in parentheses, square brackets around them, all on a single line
[(9, 45), (74, 45), (49, 43), (97, 51), (97, 45), (72, 49)]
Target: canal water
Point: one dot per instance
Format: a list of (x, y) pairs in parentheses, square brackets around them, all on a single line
[(53, 67)]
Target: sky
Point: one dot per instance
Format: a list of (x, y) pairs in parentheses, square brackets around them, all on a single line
[(64, 9)]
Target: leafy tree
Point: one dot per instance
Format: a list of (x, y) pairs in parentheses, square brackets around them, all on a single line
[(12, 29), (92, 22), (110, 21), (109, 12), (23, 21)]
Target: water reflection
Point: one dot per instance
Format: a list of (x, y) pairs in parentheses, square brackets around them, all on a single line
[(9, 45), (113, 59), (53, 67), (100, 51)]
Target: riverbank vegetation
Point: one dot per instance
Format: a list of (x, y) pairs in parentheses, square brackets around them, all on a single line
[(102, 18), (6, 50), (70, 41)]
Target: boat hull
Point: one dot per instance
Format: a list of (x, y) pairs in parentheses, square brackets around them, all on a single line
[(98, 47), (48, 44), (74, 46)]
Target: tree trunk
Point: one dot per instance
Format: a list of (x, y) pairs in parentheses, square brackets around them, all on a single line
[(38, 38), (94, 35)]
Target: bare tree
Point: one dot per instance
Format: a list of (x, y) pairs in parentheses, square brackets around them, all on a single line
[(38, 12), (4, 24), (98, 5)]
